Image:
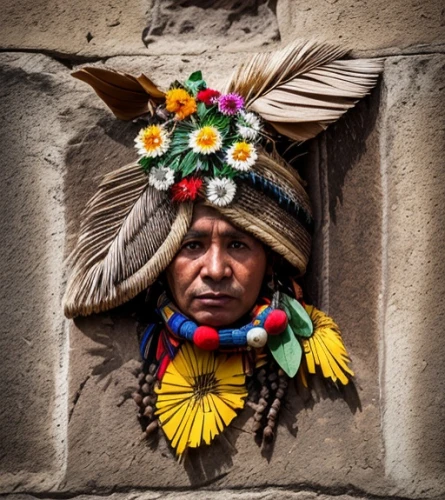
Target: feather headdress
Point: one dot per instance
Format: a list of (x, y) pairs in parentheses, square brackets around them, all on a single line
[(209, 145)]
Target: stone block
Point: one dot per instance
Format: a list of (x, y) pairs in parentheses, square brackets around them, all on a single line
[(36, 94), (80, 29), (136, 27), (196, 26), (210, 494), (378, 187), (412, 312), (369, 25)]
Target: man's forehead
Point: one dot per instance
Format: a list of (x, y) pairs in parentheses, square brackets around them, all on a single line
[(206, 218)]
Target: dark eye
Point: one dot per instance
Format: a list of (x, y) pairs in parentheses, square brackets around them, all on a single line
[(237, 245), (191, 245)]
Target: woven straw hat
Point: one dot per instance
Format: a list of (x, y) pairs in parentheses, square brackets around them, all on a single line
[(131, 231)]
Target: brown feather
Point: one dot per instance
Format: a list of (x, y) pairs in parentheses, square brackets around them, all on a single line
[(303, 88), (127, 96), (130, 233)]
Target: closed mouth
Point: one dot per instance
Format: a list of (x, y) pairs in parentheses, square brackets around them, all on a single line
[(214, 299), (214, 296)]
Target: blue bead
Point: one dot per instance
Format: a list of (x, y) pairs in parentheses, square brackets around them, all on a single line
[(188, 329), (175, 323), (225, 337), (239, 337)]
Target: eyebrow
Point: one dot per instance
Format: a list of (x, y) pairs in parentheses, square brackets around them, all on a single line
[(227, 233)]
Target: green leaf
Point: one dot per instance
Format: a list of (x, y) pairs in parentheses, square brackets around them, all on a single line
[(299, 320), (202, 164), (195, 77), (227, 171), (186, 125), (173, 163), (286, 350), (146, 162), (176, 85), (195, 82), (201, 110), (188, 164), (179, 144), (218, 120)]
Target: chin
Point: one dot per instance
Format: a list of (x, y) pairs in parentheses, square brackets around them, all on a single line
[(215, 320)]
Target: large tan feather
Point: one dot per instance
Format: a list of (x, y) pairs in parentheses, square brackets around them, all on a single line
[(130, 234), (303, 88), (127, 96)]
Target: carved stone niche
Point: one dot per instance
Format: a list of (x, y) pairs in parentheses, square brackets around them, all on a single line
[(376, 180), (331, 439)]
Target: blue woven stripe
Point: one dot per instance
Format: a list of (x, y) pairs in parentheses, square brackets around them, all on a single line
[(271, 189)]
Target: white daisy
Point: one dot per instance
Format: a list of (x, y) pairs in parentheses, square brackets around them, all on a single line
[(252, 120), (205, 140), (246, 132), (152, 141), (241, 156), (249, 126), (161, 178), (220, 191)]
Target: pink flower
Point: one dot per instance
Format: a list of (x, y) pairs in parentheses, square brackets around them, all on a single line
[(208, 96), (230, 104), (186, 190)]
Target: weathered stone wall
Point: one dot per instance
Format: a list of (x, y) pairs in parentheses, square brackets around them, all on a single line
[(67, 425)]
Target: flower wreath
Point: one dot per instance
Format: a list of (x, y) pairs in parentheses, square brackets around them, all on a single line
[(206, 139)]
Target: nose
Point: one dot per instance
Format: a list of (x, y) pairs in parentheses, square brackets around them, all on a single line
[(216, 264)]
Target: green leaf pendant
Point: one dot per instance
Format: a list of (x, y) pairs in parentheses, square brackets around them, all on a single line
[(286, 350), (299, 320)]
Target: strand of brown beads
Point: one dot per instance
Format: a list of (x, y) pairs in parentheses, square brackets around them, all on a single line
[(145, 398), (278, 388), (261, 405), (273, 383)]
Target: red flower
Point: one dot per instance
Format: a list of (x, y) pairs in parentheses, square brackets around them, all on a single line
[(186, 190), (208, 96)]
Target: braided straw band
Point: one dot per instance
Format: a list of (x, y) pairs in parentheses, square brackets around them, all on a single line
[(278, 180), (260, 216), (129, 235)]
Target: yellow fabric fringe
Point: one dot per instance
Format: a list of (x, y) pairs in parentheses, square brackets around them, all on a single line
[(199, 394), (325, 349)]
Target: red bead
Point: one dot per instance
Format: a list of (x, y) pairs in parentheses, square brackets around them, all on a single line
[(276, 322), (206, 337)]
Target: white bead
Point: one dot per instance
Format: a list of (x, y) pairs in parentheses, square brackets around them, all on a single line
[(257, 337)]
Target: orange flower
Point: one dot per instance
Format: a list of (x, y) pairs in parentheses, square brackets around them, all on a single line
[(180, 102)]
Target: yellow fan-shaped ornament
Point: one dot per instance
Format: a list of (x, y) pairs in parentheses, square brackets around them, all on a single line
[(325, 350), (199, 394)]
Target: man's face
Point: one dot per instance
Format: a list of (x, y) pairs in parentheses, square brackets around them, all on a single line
[(217, 275)]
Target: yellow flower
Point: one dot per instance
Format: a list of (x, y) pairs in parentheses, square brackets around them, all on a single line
[(152, 141), (180, 102), (205, 140), (199, 394), (241, 156)]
